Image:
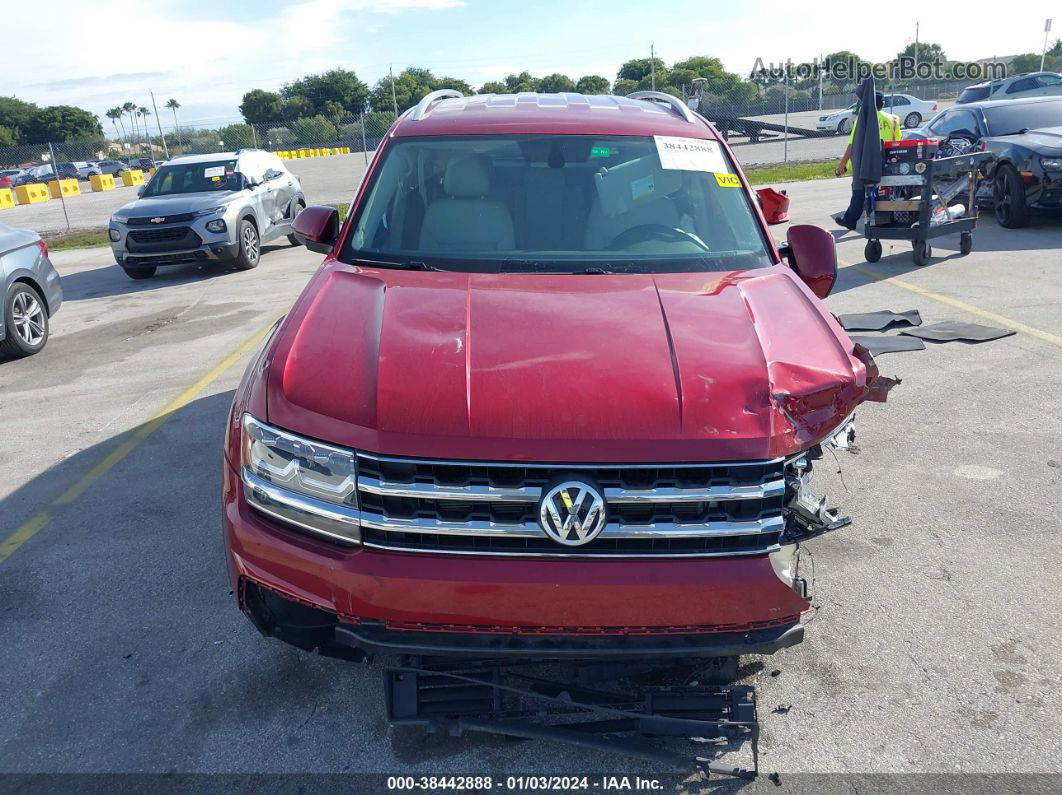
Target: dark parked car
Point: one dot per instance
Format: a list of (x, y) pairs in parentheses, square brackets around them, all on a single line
[(141, 163), (109, 167), (1025, 135), (46, 174)]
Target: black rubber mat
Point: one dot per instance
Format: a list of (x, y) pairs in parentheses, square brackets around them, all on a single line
[(879, 321), (888, 343), (953, 330)]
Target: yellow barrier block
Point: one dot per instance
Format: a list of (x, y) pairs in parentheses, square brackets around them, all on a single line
[(32, 194), (151, 171), (7, 198), (101, 182), (64, 187), (326, 152), (345, 150), (132, 176)]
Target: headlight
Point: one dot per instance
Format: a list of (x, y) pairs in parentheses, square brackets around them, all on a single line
[(217, 225), (119, 219), (300, 482), (211, 211), (114, 235), (1051, 163)]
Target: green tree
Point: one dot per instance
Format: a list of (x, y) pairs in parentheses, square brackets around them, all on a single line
[(592, 84), (116, 116), (261, 107), (313, 130), (334, 110), (336, 85), (7, 137), (928, 52), (297, 107), (279, 136), (642, 70), (236, 136), (623, 87), (60, 123), (410, 87), (555, 84), (456, 83), (16, 114), (493, 87), (521, 82), (1027, 62), (173, 104)]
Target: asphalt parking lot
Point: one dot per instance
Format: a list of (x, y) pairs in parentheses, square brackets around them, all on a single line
[(935, 646)]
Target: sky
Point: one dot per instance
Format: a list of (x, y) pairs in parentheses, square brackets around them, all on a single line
[(207, 53)]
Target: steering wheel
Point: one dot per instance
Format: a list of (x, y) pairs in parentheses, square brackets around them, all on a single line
[(643, 232)]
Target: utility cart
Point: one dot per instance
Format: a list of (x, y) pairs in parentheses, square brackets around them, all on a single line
[(916, 198)]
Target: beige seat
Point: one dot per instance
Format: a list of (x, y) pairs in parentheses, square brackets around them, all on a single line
[(465, 219)]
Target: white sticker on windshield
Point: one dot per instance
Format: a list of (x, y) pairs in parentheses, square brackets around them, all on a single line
[(640, 187), (214, 171), (690, 154)]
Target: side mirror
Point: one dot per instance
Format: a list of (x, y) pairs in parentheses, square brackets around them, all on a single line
[(812, 253), (140, 191), (317, 228)]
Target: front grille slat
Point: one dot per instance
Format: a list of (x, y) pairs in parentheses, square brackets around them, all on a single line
[(491, 508)]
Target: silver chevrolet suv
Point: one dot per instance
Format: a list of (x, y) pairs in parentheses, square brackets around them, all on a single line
[(201, 208)]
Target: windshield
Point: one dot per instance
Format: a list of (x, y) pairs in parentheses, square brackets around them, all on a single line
[(557, 204), (214, 176), (1011, 118)]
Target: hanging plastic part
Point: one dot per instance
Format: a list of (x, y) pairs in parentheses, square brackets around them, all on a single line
[(808, 514)]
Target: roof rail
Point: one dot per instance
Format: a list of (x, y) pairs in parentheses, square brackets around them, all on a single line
[(425, 104), (676, 104)]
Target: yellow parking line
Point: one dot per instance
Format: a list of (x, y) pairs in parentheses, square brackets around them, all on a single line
[(11, 544), (1032, 331)]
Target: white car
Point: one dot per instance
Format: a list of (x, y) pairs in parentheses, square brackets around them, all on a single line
[(911, 111), (1031, 84)]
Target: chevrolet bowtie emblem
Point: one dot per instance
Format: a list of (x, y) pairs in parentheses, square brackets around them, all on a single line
[(157, 220)]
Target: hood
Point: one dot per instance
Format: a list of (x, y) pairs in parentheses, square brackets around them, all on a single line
[(1046, 141), (177, 203), (563, 368)]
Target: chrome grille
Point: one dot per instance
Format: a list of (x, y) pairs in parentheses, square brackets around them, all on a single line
[(492, 508)]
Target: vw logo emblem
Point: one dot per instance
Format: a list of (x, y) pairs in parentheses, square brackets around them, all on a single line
[(572, 513)]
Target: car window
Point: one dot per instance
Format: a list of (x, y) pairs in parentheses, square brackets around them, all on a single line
[(563, 203), (954, 121), (897, 101), (211, 176), (975, 93), (1024, 84), (1016, 116), (1045, 81)]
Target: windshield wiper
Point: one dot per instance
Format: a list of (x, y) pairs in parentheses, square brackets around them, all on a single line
[(405, 265)]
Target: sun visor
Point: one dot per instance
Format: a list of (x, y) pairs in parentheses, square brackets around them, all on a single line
[(623, 187)]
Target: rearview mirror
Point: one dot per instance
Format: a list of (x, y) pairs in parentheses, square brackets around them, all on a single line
[(812, 253), (317, 228)]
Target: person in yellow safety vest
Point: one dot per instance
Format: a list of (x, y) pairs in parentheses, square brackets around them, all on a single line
[(890, 131)]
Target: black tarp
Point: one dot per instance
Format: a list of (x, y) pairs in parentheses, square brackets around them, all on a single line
[(866, 143)]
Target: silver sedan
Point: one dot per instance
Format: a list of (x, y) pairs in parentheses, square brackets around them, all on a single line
[(30, 292)]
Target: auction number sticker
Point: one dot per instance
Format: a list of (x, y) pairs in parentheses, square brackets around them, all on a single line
[(728, 180), (690, 154), (214, 171)]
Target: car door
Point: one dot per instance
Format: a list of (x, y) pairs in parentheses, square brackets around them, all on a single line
[(252, 166), (1024, 87), (283, 184)]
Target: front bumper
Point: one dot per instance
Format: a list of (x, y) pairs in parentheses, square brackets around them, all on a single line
[(569, 607), (191, 242)]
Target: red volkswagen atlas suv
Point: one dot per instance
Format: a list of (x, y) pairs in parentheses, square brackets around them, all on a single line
[(554, 392)]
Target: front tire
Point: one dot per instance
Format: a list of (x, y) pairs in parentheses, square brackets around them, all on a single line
[(1008, 198), (250, 246), (299, 207), (844, 127), (26, 322), (912, 120)]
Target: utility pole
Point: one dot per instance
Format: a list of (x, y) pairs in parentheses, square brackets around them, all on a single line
[(822, 68), (394, 97), (155, 107), (1047, 30), (652, 61), (916, 47)]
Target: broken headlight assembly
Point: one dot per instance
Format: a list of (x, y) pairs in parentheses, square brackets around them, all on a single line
[(300, 482)]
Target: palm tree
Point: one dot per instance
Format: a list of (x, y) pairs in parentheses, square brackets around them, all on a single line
[(114, 114), (173, 104), (144, 113), (130, 108)]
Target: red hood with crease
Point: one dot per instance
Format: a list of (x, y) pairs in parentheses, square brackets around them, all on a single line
[(562, 368)]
